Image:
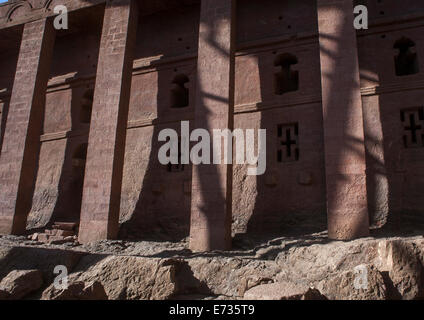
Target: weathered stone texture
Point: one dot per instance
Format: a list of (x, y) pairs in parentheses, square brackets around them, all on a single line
[(212, 184), (283, 291), (24, 122), (76, 291), (129, 278), (19, 283), (105, 157), (343, 121), (347, 107)]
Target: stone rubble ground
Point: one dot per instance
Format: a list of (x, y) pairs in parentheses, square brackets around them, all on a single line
[(60, 233), (306, 267)]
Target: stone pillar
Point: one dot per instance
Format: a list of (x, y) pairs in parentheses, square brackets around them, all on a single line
[(343, 121), (106, 144), (210, 227), (20, 149)]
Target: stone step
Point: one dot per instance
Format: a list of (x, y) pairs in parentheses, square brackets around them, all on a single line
[(68, 226), (59, 232)]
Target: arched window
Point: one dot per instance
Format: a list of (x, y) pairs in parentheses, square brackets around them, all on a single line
[(286, 80), (179, 92), (406, 61), (86, 106)]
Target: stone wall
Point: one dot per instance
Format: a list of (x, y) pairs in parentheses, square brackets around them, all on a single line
[(155, 199)]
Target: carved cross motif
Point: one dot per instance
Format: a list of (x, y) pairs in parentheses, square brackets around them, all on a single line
[(413, 127), (288, 143)]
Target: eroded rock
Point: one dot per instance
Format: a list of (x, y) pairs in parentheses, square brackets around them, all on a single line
[(368, 284), (19, 283), (401, 260), (131, 278), (76, 291), (283, 291), (229, 276)]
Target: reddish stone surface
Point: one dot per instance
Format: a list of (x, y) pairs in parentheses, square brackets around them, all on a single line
[(21, 137), (105, 155), (156, 203), (212, 184), (343, 122)]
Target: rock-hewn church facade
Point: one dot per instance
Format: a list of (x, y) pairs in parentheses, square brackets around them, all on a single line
[(82, 108)]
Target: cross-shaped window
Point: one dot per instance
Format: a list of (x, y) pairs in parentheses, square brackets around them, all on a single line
[(413, 127), (288, 143)]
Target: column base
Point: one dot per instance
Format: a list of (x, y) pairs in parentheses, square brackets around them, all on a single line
[(16, 226), (6, 226), (347, 209), (93, 231), (211, 238)]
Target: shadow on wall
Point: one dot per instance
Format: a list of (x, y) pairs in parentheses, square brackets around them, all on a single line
[(68, 204), (394, 167), (159, 207), (352, 146), (402, 127), (149, 222), (379, 184), (290, 196), (61, 164), (11, 39)]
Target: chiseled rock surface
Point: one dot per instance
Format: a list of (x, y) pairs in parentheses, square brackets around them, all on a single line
[(18, 256), (395, 267), (347, 286), (76, 291), (19, 283), (132, 278), (403, 261), (281, 268), (283, 291), (229, 276)]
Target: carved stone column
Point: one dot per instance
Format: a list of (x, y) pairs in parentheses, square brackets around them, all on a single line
[(212, 184), (21, 144), (343, 121), (106, 144)]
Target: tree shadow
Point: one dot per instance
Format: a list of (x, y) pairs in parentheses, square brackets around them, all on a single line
[(8, 63), (159, 210), (285, 204), (83, 47)]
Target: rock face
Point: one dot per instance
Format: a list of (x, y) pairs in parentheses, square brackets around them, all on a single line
[(302, 269), (61, 232), (129, 278), (19, 283), (76, 291), (348, 285), (230, 277), (283, 291), (43, 259), (393, 268), (403, 264)]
